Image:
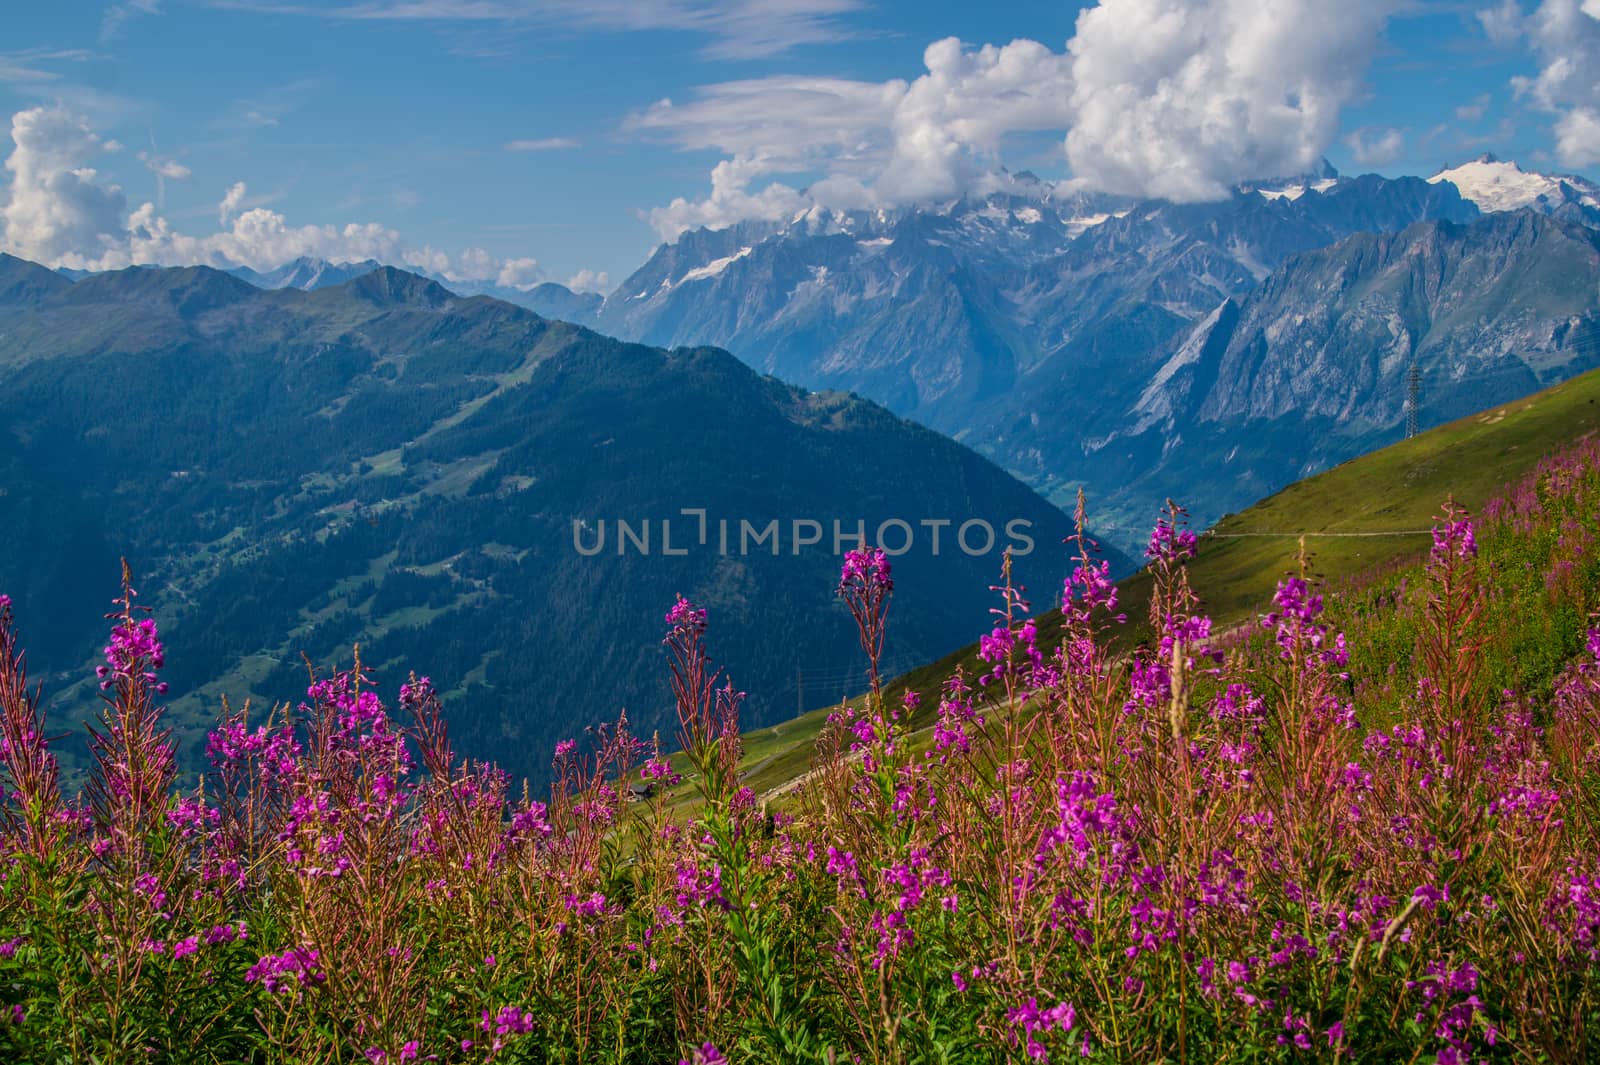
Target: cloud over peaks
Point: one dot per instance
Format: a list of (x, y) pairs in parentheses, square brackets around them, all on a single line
[(1185, 98), (1180, 99), (58, 210), (873, 143)]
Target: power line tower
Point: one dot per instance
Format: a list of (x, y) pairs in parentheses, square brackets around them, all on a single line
[(1413, 400)]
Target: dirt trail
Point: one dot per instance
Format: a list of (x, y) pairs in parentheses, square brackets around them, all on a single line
[(1309, 535)]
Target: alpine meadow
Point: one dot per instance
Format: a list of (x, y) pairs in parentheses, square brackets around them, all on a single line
[(827, 532)]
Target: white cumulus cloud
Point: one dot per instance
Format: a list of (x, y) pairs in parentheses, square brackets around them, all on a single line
[(60, 211), (1185, 98), (590, 281), (57, 209), (520, 273), (1376, 147), (1565, 38), (1180, 99), (230, 203), (874, 143), (730, 200), (163, 167)]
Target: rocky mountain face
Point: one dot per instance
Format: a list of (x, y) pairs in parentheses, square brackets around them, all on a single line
[(1026, 324), (932, 311), (1310, 368), (441, 480)]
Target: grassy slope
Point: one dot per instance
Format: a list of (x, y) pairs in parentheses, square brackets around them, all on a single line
[(1393, 493)]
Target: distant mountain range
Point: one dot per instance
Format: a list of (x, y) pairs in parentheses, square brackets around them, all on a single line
[(1053, 330), (548, 299), (386, 462), (1048, 329)]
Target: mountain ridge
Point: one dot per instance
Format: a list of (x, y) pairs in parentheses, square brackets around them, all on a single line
[(1041, 325), (385, 463)]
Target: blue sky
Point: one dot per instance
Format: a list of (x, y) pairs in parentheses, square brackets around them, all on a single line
[(531, 139)]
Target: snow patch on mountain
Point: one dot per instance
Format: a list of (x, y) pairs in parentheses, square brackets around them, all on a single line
[(714, 267), (1497, 185), (1294, 192), (1078, 226), (1158, 403)]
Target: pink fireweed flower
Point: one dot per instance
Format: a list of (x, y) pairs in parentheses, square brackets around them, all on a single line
[(956, 712), (192, 815), (1171, 543), (842, 864), (1296, 624), (1011, 650), (908, 880), (1454, 537), (226, 933), (1090, 824), (276, 753), (866, 587), (135, 647), (1034, 1022), (150, 887), (1087, 587), (1572, 915), (894, 935), (704, 1054), (686, 618), (593, 905), (293, 970), (510, 1020), (659, 769), (414, 693), (530, 823), (700, 887), (868, 566)]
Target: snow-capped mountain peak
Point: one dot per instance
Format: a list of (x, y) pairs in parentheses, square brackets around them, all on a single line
[(1501, 185), (1294, 192), (1319, 178)]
